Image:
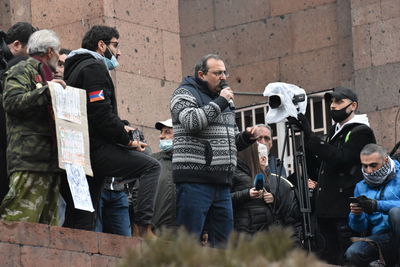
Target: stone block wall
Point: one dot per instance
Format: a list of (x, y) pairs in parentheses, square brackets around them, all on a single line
[(31, 244), (376, 49), (150, 65), (307, 43), (316, 44)]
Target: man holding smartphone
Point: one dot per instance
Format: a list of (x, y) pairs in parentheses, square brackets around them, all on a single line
[(375, 209)]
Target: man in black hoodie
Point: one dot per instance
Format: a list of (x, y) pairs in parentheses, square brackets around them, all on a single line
[(112, 152)]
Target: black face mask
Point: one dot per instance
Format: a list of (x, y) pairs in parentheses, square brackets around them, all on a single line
[(108, 53), (340, 114)]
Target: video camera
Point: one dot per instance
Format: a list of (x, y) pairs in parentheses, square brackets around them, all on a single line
[(285, 100)]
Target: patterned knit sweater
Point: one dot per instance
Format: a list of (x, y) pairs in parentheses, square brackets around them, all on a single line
[(206, 138)]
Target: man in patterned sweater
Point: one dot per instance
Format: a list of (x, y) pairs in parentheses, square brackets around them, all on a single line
[(206, 140)]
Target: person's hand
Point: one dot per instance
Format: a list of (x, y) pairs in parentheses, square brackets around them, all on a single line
[(128, 128), (254, 132), (60, 82), (137, 145), (355, 209), (268, 197), (255, 193), (302, 123), (367, 204), (227, 93), (204, 238), (311, 184)]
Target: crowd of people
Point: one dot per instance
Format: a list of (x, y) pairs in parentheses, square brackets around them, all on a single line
[(208, 176)]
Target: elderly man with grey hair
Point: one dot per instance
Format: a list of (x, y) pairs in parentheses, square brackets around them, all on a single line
[(31, 151), (274, 165)]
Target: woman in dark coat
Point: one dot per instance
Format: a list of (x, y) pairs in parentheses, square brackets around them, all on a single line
[(254, 210)]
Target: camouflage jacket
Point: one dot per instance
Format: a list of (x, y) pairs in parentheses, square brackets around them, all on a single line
[(30, 127)]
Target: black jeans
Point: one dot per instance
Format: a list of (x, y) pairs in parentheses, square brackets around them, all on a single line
[(334, 238), (111, 160)]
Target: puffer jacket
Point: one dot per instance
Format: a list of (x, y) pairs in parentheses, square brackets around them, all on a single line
[(253, 215)]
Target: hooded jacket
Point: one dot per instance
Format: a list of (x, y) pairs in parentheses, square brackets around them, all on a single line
[(206, 138), (105, 126), (338, 158), (387, 196)]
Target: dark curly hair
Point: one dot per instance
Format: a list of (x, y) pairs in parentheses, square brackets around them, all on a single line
[(97, 33)]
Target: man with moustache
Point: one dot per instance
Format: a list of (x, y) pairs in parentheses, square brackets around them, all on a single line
[(31, 151), (206, 141)]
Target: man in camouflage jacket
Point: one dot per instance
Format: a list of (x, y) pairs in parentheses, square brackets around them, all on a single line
[(31, 150)]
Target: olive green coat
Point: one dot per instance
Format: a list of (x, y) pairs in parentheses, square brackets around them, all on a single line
[(30, 127)]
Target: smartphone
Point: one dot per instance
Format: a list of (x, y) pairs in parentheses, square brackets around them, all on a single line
[(134, 135), (353, 200)]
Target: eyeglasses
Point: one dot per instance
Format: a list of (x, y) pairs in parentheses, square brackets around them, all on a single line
[(115, 44), (220, 72), (266, 138)]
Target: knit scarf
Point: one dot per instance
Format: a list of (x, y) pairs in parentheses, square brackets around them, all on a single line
[(380, 176)]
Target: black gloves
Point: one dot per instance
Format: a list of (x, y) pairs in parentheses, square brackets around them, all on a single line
[(302, 123), (368, 205)]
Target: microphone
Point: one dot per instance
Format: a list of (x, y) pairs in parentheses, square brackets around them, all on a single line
[(223, 84), (259, 181)]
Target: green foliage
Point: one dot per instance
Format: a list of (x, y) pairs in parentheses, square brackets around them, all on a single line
[(272, 248)]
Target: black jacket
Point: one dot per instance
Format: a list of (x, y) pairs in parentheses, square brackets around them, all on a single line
[(253, 215), (104, 124), (340, 167)]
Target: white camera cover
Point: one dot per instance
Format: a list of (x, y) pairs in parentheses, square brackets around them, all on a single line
[(286, 92)]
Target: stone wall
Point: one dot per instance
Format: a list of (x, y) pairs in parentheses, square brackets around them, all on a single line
[(376, 49), (30, 244), (307, 43), (316, 44), (150, 65)]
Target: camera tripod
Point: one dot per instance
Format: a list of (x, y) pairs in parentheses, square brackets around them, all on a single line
[(303, 192)]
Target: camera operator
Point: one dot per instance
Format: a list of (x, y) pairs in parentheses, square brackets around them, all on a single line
[(339, 169), (375, 209)]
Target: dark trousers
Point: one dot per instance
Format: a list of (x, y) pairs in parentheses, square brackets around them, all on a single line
[(333, 239), (111, 160), (361, 253)]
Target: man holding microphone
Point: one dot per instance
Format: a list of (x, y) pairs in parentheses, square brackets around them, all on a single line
[(206, 141)]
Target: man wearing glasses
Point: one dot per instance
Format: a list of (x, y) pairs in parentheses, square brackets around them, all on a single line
[(112, 152), (206, 140), (274, 165)]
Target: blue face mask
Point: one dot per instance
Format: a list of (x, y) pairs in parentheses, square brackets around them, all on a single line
[(166, 145), (111, 63), (110, 60)]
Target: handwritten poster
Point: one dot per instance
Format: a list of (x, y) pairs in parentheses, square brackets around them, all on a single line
[(79, 187), (69, 107)]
